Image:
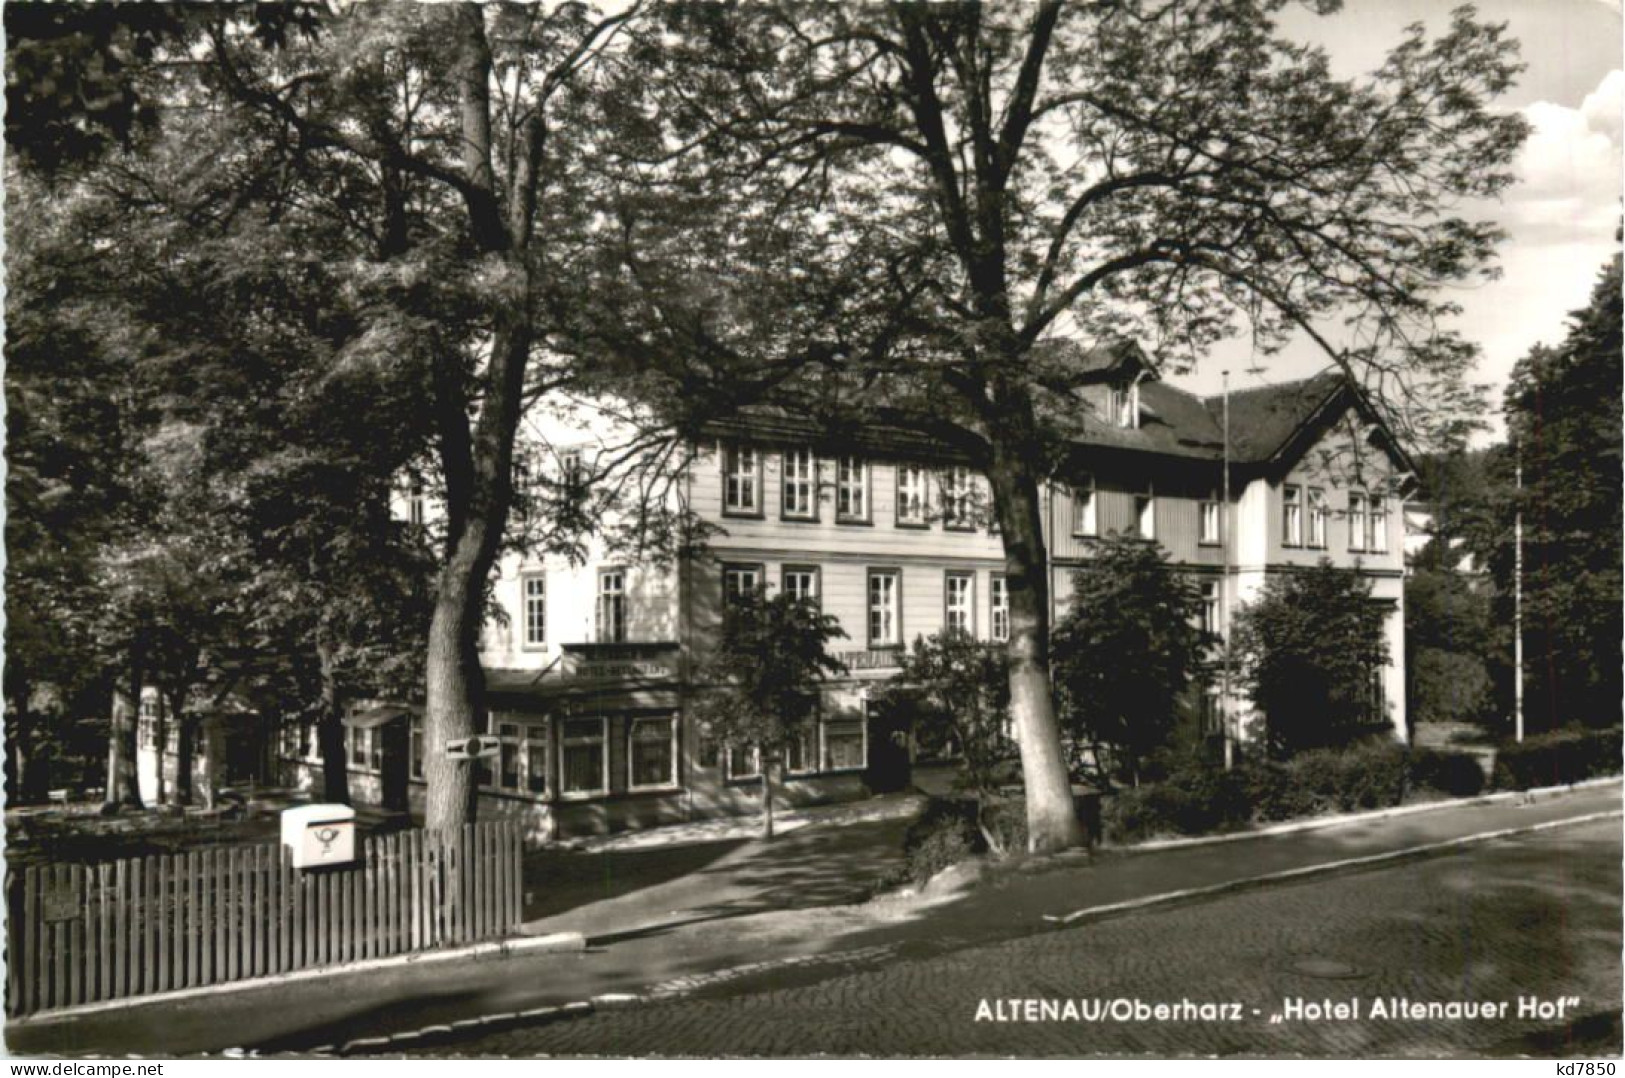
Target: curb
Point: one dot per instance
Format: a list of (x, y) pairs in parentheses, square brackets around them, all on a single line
[(1292, 827), (520, 945), (1326, 868)]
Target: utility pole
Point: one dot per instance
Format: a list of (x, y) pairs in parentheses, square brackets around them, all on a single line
[(1517, 596), (1224, 589)]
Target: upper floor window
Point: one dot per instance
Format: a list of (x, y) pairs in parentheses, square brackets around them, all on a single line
[(1292, 515), (912, 500), (801, 582), (851, 489), (1123, 402), (1357, 520), (1318, 511), (958, 498), (1379, 525), (1210, 522), (1145, 515), (611, 606), (959, 603), (523, 476), (999, 607), (741, 480), (570, 467), (885, 608), (414, 505), (800, 486), (1085, 508), (535, 611)]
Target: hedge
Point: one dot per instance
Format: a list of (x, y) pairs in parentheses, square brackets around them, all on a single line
[(1557, 758), (1199, 798)]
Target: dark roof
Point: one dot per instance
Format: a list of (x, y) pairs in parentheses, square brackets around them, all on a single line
[(1264, 420)]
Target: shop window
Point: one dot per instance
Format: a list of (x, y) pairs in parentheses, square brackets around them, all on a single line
[(582, 761), (652, 753)]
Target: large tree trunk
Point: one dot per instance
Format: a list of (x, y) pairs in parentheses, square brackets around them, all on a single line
[(330, 731), (123, 782), (1052, 822), (454, 685)]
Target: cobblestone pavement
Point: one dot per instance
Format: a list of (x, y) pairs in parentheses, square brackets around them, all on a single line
[(1535, 916)]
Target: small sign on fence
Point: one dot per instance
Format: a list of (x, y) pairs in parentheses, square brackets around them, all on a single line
[(58, 906)]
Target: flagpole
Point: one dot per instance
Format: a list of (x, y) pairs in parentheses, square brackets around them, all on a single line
[(1224, 588)]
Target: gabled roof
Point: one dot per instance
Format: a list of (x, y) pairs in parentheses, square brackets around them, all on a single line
[(1268, 424)]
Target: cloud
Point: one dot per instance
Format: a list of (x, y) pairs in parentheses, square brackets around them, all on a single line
[(1569, 171)]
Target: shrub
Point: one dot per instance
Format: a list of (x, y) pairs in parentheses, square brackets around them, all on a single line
[(944, 835), (1455, 773), (1562, 756), (1193, 799)]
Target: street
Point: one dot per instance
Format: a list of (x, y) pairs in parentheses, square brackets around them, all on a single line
[(1534, 918)]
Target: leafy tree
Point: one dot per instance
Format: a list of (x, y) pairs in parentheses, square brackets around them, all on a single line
[(763, 680), (1563, 422), (1451, 646), (956, 690), (956, 182), (1127, 650), (1310, 648)]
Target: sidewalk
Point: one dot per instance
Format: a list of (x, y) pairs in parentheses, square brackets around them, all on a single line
[(668, 938)]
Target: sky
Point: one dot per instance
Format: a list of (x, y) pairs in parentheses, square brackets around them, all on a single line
[(1561, 214)]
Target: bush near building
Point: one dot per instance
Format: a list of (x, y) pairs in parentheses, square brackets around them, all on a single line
[(1562, 756)]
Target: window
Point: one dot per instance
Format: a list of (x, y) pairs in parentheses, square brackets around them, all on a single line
[(522, 474), (508, 756), (800, 468), (885, 622), (1211, 713), (417, 747), (959, 603), (1145, 515), (1085, 514), (611, 606), (1291, 515), (1211, 522), (913, 503), (741, 479), (375, 749), (582, 763), (958, 498), (1357, 520), (744, 762), (571, 469), (801, 751), (739, 581), (535, 611), (356, 741), (845, 745), (851, 489), (1210, 607), (999, 607), (1379, 525), (801, 582), (1317, 518), (414, 505), (536, 759), (1124, 405), (652, 753)]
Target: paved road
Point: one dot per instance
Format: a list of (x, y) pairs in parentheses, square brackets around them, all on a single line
[(1533, 916)]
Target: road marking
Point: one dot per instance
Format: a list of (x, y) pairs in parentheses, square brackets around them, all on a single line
[(1325, 867)]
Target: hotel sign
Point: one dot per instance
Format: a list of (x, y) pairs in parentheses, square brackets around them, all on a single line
[(618, 669), (872, 659)]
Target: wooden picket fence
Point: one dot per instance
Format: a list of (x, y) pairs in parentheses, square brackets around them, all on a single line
[(87, 933)]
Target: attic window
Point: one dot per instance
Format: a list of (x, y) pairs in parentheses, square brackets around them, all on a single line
[(1123, 405)]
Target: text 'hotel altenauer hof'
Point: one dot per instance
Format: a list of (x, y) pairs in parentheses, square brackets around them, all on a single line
[(591, 670)]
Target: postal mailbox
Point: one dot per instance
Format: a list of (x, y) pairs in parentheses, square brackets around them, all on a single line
[(317, 835)]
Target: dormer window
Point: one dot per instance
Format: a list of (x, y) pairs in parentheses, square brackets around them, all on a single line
[(1123, 405)]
